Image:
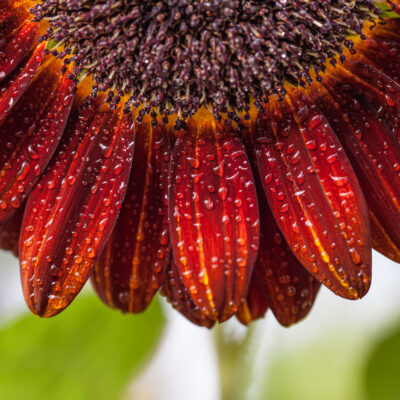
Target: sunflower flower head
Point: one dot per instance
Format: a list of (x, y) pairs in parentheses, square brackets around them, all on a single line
[(232, 154)]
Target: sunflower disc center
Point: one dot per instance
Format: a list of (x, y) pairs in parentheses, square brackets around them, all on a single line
[(174, 56)]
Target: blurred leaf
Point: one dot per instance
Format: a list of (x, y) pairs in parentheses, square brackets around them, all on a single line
[(326, 368), (383, 373), (88, 352)]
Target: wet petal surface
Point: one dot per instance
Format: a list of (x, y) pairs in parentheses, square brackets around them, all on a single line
[(314, 195), (16, 49), (289, 289), (360, 104), (30, 134), (179, 297), (17, 83), (382, 49), (10, 230), (72, 210), (213, 216), (133, 263)]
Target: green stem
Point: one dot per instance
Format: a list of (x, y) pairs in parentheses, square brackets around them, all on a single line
[(235, 363)]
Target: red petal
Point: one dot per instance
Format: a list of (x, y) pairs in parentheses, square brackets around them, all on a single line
[(71, 212), (361, 108), (132, 265), (288, 287), (382, 50), (17, 48), (279, 280), (378, 90), (314, 195), (181, 300), (254, 307), (10, 230), (30, 135), (19, 81), (214, 216), (12, 17)]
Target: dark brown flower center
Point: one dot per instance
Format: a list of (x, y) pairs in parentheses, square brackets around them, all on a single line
[(173, 56)]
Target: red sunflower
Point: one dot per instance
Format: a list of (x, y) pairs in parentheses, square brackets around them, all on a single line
[(235, 154)]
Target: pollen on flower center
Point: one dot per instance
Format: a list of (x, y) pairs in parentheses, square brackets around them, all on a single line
[(174, 56)]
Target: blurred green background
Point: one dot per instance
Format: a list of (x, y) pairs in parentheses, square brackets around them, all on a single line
[(343, 365), (343, 350), (87, 352)]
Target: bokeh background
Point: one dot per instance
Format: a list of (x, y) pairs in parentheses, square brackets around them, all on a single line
[(342, 350)]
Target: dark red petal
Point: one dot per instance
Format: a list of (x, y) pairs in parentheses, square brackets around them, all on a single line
[(12, 17), (288, 287), (279, 278), (254, 307), (382, 50), (20, 79), (30, 135), (15, 50), (10, 230), (72, 210), (133, 263), (379, 91), (360, 104), (314, 195), (213, 215), (181, 300)]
